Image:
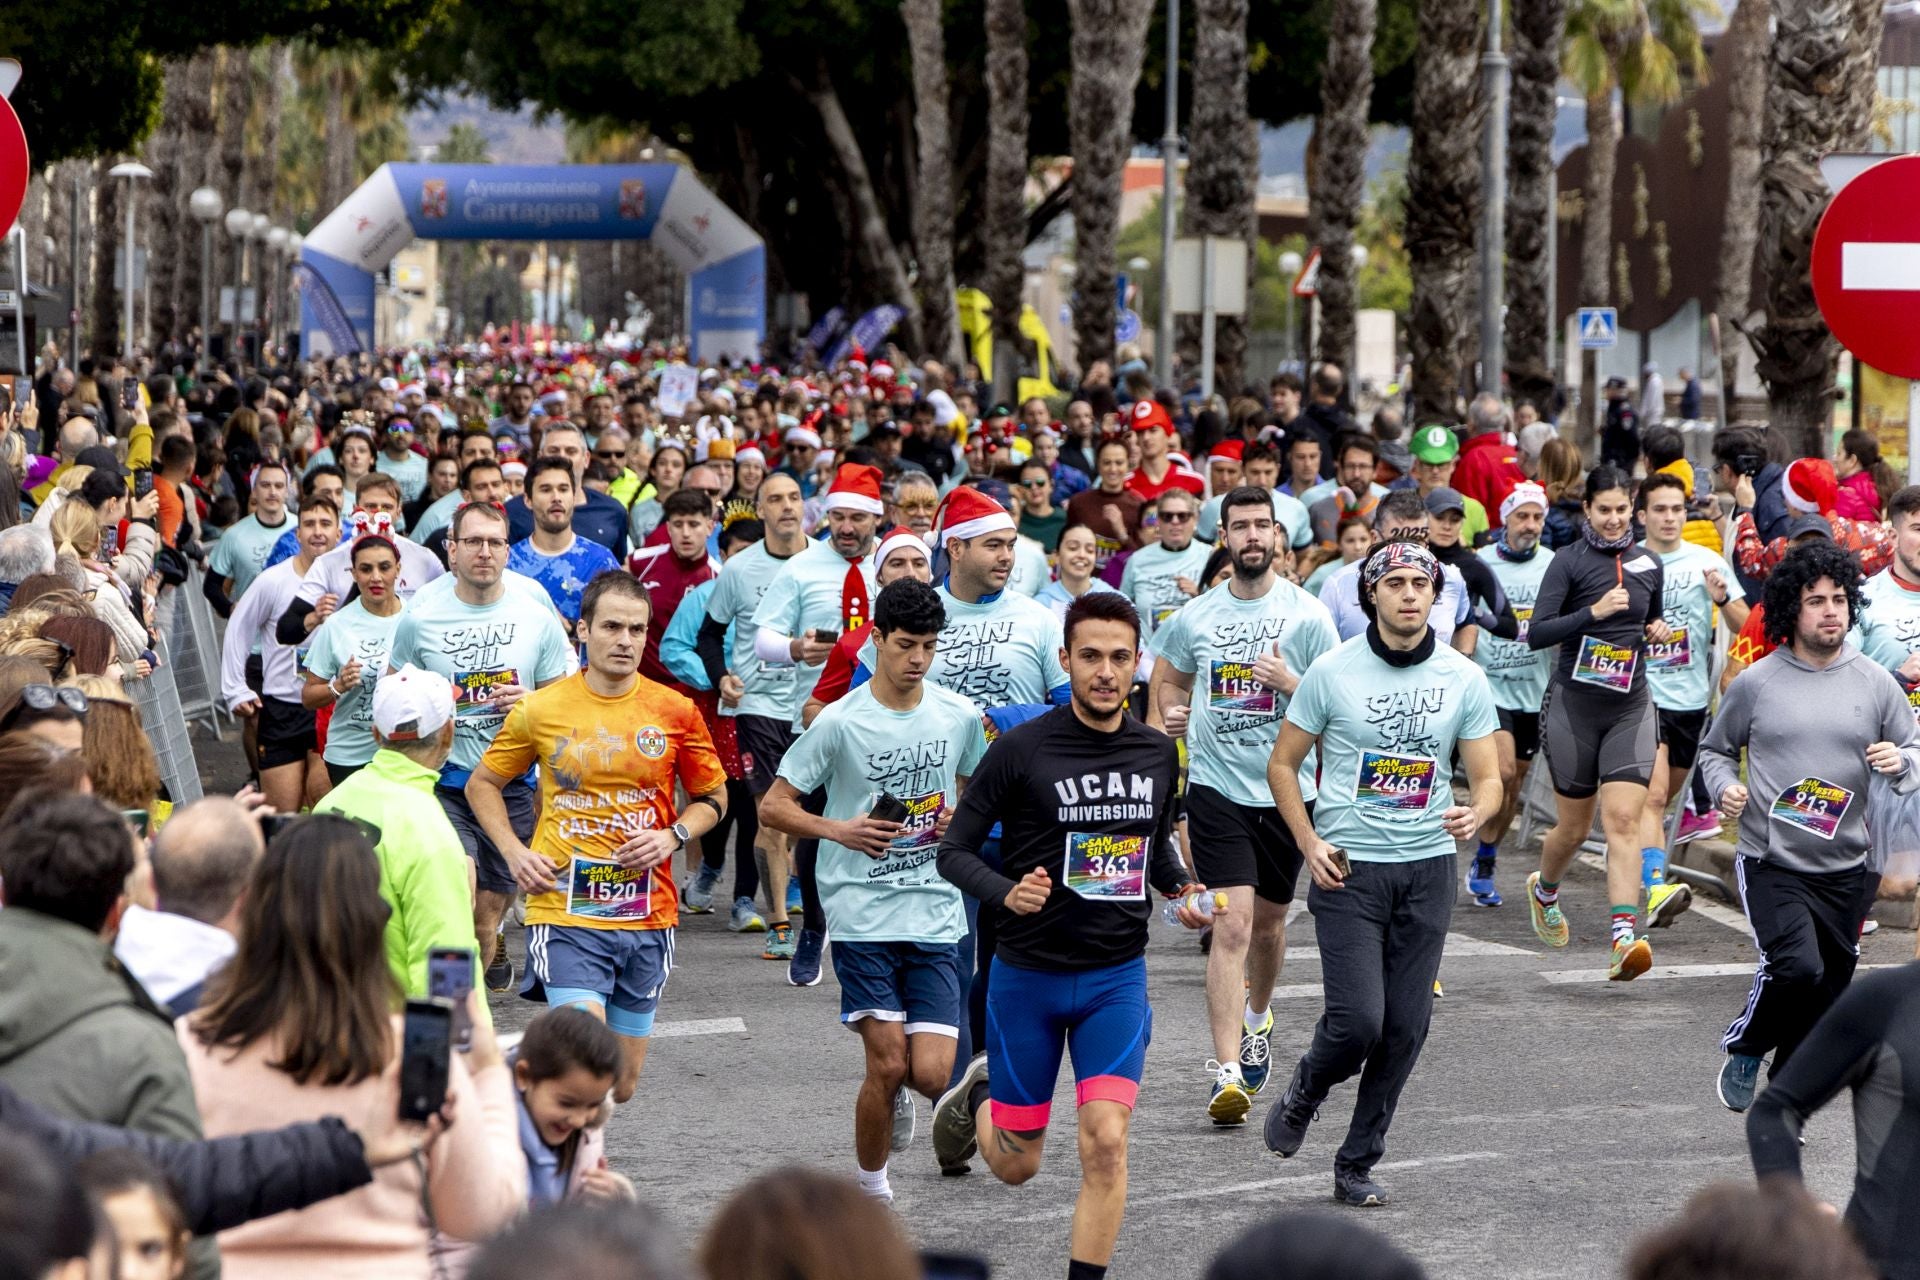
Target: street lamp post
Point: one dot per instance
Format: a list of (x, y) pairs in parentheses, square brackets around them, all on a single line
[(206, 206), (239, 224), (132, 171), (1290, 264), (1493, 217), (1169, 165), (261, 225)]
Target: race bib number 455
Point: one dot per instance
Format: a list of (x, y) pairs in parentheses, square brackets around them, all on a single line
[(1110, 868), (1397, 782), (598, 890), (1813, 804)]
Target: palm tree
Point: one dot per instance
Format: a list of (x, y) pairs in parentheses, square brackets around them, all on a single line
[(1004, 236), (1643, 49), (1443, 202), (1538, 29), (1746, 114), (1820, 95), (1108, 42), (933, 200), (1223, 161), (1339, 177), (465, 144)]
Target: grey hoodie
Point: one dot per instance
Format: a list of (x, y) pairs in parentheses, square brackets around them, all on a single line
[(1806, 733)]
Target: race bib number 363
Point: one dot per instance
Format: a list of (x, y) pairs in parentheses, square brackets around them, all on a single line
[(598, 890), (1389, 781), (1110, 868), (1605, 666), (1812, 804)]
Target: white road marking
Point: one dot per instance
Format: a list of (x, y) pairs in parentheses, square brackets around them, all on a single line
[(1562, 977), (1701, 905), (706, 1027), (1146, 1196), (1886, 266), (1458, 944)]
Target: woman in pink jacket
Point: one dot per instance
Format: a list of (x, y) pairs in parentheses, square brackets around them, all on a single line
[(304, 1022), (1866, 481)]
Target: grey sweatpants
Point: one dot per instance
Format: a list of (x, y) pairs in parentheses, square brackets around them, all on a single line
[(1380, 939)]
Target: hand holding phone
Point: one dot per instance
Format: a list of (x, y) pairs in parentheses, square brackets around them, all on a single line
[(426, 1047), (450, 978)]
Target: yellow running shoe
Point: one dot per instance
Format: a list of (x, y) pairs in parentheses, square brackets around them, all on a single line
[(1666, 903), (1548, 924), (1230, 1101), (1630, 960)]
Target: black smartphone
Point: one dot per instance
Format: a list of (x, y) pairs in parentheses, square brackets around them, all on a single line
[(6, 396), (823, 635), (954, 1266), (426, 1043), (137, 819), (888, 807), (130, 393), (450, 978), (272, 824), (142, 481)]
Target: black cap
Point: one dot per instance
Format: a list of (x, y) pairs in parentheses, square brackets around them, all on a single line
[(100, 458), (1809, 524)]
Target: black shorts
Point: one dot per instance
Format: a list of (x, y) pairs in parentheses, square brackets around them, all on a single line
[(1681, 731), (339, 773), (1591, 738), (256, 673), (490, 871), (1235, 844), (286, 733), (1524, 726), (763, 745)]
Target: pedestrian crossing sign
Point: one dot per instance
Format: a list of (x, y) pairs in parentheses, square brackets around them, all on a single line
[(1599, 328)]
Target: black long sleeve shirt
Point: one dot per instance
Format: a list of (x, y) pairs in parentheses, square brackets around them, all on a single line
[(1492, 611), (1563, 611), (1066, 792)]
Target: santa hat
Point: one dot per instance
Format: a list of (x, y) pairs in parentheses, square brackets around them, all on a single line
[(944, 409), (1524, 494), (899, 538), (967, 513), (881, 372), (804, 436), (856, 487), (1147, 414), (750, 454), (1180, 461), (1231, 450), (1809, 486)]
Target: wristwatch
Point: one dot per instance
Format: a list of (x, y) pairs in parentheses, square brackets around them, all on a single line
[(681, 833)]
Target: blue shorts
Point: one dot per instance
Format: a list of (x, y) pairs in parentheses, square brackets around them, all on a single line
[(624, 971), (917, 983), (490, 871), (1100, 1015)]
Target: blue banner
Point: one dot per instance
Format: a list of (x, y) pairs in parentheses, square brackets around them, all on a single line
[(321, 306), (868, 332), (824, 328), (490, 201)]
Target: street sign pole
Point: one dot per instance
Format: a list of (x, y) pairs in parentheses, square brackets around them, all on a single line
[(1206, 319)]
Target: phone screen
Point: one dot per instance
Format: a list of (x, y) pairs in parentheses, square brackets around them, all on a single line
[(130, 393), (450, 978), (137, 819), (954, 1266), (425, 1046), (6, 396)]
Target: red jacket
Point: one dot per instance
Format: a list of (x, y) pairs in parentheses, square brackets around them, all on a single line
[(1857, 498), (1488, 469)]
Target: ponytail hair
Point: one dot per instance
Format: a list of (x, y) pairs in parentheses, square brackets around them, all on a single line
[(76, 530), (1866, 451)]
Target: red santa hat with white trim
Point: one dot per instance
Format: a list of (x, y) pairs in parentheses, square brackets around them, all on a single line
[(967, 513), (856, 487)]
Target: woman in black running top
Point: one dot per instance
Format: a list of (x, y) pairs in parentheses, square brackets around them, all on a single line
[(1600, 601)]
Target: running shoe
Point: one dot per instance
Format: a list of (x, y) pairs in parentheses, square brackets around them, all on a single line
[(1358, 1190), (1667, 903), (1231, 1098), (1869, 926), (1439, 992), (905, 1123), (803, 969), (1548, 924), (1698, 826), (1630, 960), (1480, 883), (1739, 1076), (744, 918), (1255, 1048), (500, 973), (697, 899), (955, 1137), (795, 903), (1287, 1121), (780, 943)]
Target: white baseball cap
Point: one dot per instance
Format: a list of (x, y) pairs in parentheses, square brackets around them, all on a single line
[(411, 704)]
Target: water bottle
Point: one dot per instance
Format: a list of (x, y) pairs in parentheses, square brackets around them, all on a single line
[(1204, 902)]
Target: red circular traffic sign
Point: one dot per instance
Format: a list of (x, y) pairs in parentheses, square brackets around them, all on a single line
[(14, 169), (1866, 266)]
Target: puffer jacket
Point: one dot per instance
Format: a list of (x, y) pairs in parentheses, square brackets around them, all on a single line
[(1857, 498)]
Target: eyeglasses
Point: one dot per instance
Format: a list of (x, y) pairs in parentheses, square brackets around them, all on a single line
[(1175, 517), (711, 493), (45, 697), (483, 544)]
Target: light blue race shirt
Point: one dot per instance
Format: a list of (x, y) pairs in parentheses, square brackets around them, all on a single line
[(349, 633), (241, 554), (1680, 671), (737, 593), (809, 596), (1151, 581), (1517, 672), (1001, 650)]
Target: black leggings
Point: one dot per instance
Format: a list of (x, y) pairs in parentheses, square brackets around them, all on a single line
[(743, 821), (806, 865)]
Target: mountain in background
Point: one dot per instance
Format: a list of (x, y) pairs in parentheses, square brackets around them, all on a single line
[(515, 137)]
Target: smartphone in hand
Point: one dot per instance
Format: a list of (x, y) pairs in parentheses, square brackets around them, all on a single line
[(888, 808), (426, 1046), (450, 978)]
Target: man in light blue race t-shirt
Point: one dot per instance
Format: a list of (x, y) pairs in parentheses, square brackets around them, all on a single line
[(241, 554), (483, 636), (1163, 575), (999, 648), (901, 747), (1387, 709), (1227, 664)]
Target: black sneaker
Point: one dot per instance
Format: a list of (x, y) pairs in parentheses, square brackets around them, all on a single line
[(500, 972), (1358, 1190), (1287, 1122)]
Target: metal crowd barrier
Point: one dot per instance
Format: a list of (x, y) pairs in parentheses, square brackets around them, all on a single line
[(194, 641), (166, 726)]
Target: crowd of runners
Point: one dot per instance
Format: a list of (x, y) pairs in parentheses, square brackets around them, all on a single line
[(968, 695)]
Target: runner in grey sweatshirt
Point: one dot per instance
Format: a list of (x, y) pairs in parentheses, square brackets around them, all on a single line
[(1817, 720)]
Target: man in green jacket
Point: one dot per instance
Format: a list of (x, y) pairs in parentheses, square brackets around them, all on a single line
[(425, 874)]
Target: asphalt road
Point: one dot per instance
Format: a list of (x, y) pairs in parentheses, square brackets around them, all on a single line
[(1552, 1118)]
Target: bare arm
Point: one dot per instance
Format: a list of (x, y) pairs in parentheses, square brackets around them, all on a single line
[(1168, 690), (1283, 778), (485, 796)]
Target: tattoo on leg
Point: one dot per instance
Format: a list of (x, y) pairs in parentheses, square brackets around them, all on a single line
[(1008, 1145)]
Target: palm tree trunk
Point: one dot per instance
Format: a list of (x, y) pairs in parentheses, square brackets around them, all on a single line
[(1746, 115), (1109, 40), (1596, 239), (933, 201), (110, 232), (1538, 28), (1224, 160), (1819, 99), (196, 122), (1443, 202), (1338, 179), (236, 93), (340, 138), (163, 206), (1004, 236)]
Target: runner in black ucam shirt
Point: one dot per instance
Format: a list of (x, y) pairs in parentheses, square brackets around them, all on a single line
[(1084, 795)]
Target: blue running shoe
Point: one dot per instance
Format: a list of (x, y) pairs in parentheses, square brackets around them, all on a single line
[(804, 969), (1739, 1077), (1480, 883), (1255, 1046), (698, 899), (794, 903)]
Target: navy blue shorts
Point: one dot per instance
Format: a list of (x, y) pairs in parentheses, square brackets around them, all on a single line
[(490, 871), (1100, 1015), (917, 983), (623, 971)]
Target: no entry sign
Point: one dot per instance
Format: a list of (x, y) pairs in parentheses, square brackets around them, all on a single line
[(13, 166), (1866, 266)]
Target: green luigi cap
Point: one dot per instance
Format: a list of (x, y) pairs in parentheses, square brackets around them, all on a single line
[(1435, 444)]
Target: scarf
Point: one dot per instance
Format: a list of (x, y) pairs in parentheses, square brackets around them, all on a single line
[(1611, 547), (1508, 554), (1399, 657)]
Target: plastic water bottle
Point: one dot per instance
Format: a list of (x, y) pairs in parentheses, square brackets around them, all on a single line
[(1204, 902)]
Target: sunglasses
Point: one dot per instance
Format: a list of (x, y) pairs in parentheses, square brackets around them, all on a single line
[(1175, 517), (610, 455), (44, 698), (1034, 484)]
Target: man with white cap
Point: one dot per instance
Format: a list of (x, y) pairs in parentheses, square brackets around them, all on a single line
[(826, 591), (1516, 672), (799, 449), (424, 873)]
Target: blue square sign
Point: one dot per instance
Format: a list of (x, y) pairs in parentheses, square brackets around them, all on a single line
[(1599, 328)]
